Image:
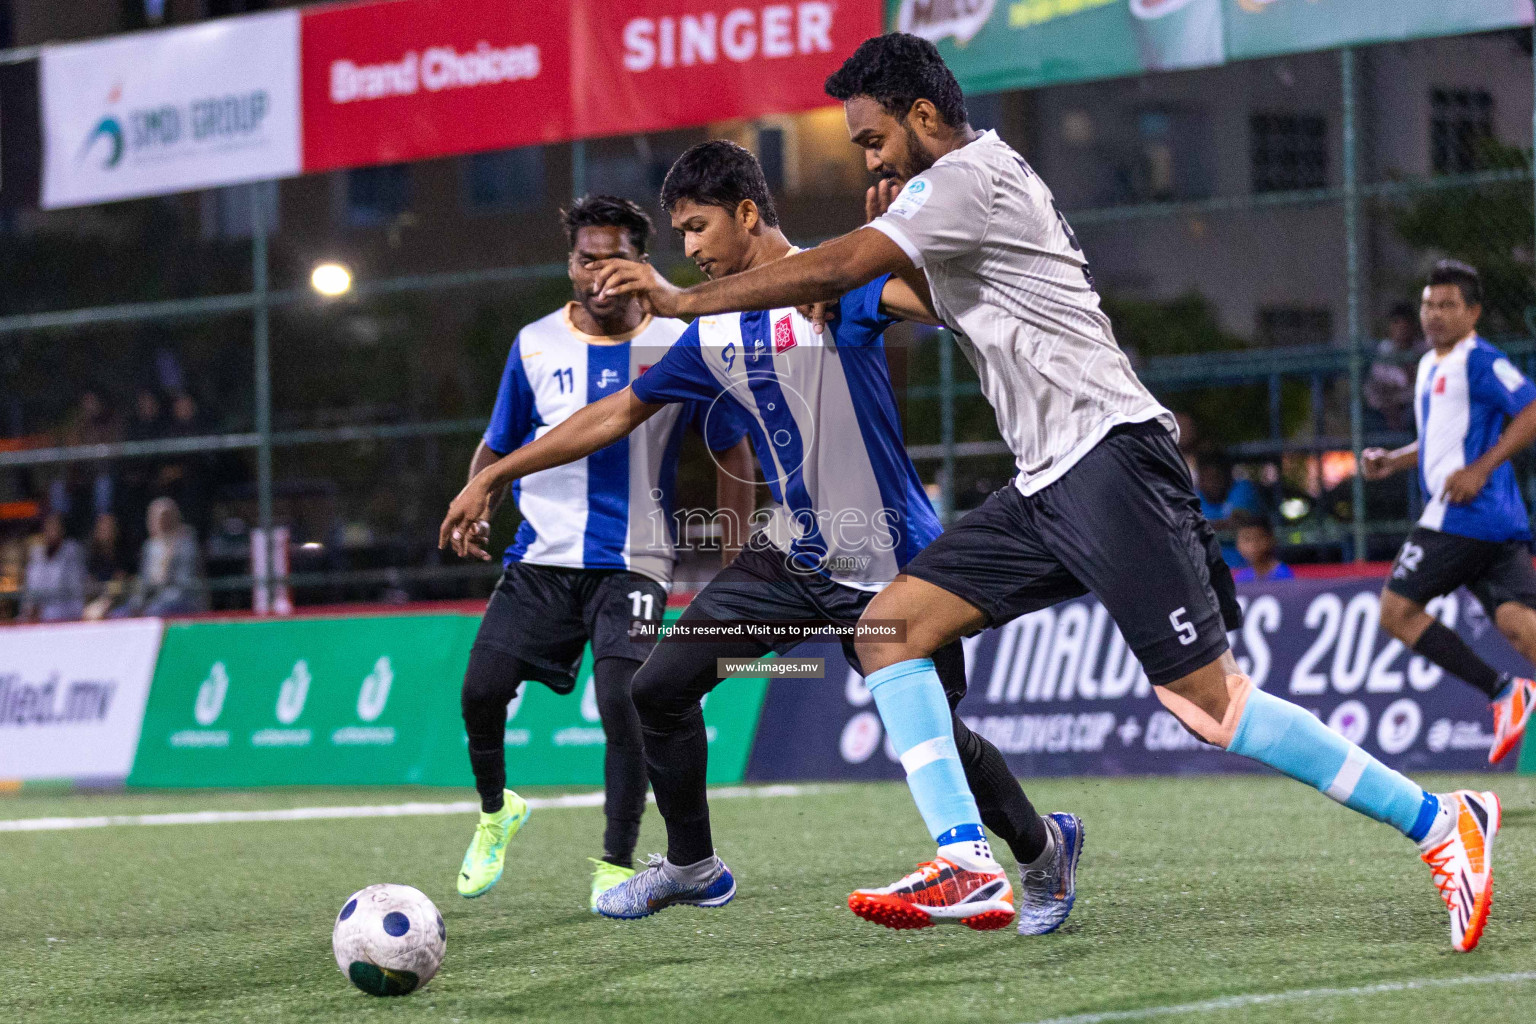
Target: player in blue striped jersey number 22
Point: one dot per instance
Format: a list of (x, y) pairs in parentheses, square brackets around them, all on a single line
[(1475, 531)]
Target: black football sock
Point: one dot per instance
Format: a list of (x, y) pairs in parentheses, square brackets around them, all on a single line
[(623, 760), (490, 683), (1005, 809), (1450, 652)]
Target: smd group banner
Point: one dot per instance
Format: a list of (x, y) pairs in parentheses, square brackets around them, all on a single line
[(172, 110), (409, 79), (1059, 693), (72, 698), (362, 700)]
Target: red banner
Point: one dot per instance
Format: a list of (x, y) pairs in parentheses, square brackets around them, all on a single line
[(412, 79)]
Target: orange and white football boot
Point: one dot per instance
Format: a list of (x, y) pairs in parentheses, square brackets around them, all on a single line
[(1511, 713), (1461, 864)]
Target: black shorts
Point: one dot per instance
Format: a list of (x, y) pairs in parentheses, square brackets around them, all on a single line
[(759, 586), (1123, 524), (545, 615), (1431, 563)]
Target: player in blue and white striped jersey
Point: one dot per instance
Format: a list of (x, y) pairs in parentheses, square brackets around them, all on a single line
[(1474, 411), (850, 510), (594, 552)]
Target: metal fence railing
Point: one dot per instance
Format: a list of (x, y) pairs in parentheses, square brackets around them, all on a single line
[(1283, 402)]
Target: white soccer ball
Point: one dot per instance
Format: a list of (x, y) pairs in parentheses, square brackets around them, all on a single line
[(389, 939)]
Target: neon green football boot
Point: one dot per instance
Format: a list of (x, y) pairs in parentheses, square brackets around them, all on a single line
[(605, 876), (487, 853)]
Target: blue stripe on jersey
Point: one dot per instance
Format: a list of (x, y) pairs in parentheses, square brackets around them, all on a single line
[(524, 538), (608, 469), (861, 348), (783, 433), (666, 481)]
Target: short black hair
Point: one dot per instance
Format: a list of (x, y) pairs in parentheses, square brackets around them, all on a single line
[(896, 71), (1463, 276), (608, 212), (719, 173), (1242, 519), (1403, 311)]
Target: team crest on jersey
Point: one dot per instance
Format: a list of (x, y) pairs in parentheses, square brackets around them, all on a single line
[(1440, 386), (783, 335), (607, 379)]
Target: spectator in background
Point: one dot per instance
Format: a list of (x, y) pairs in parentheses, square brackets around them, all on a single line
[(136, 481), (1256, 544), (84, 489), (1389, 385), (1221, 496), (107, 575), (170, 580), (56, 580), (185, 478)]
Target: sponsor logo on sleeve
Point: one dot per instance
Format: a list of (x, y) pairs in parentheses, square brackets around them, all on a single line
[(1512, 379), (912, 198)]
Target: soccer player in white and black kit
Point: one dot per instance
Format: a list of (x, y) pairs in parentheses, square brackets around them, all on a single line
[(594, 553), (1102, 502), (1475, 531)]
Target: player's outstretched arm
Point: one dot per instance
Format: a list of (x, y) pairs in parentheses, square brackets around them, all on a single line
[(589, 429), (821, 274), (1464, 484), (1378, 463)]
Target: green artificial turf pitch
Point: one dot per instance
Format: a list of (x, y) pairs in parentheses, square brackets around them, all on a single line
[(1190, 890)]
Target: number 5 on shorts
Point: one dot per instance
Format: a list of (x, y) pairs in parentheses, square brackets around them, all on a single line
[(1186, 630)]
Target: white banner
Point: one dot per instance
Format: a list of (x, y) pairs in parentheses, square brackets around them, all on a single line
[(169, 111), (72, 697)]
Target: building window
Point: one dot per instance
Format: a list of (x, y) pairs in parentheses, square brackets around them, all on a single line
[(1460, 128), (376, 196), (770, 153), (508, 179), (1290, 151), (1293, 326), (219, 8)]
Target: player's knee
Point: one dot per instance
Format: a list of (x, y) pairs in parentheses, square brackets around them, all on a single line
[(1516, 622), (1401, 617), (1208, 703), (614, 681), (876, 647), (490, 680), (660, 692)]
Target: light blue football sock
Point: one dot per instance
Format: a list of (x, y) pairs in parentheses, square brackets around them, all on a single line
[(917, 719), (1289, 739)]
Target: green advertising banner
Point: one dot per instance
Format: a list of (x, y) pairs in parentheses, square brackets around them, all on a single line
[(1264, 28), (997, 44), (370, 700), (1019, 44)]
